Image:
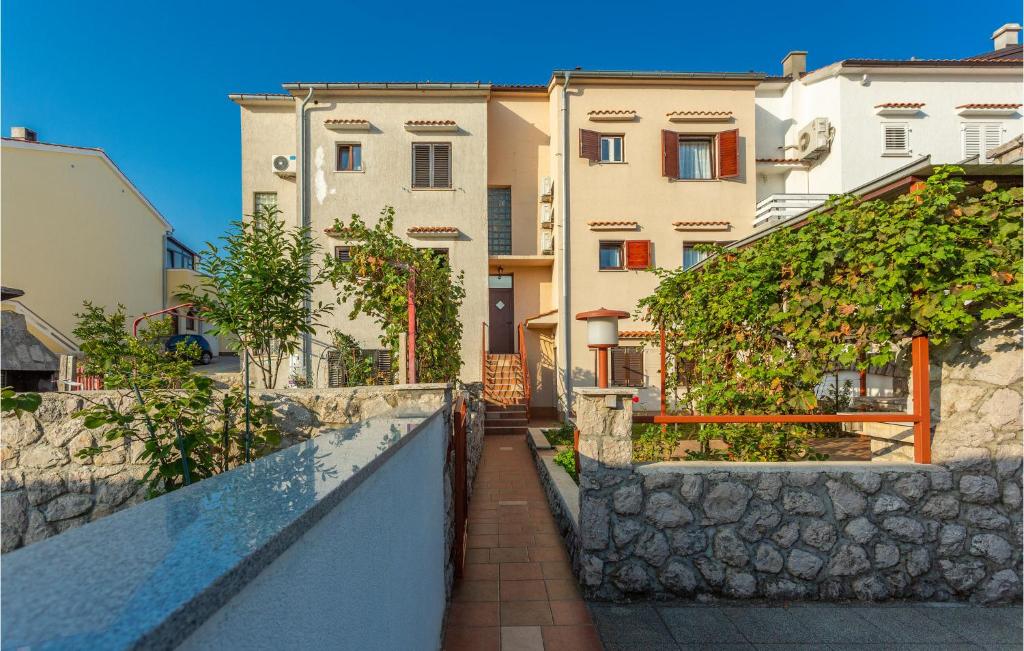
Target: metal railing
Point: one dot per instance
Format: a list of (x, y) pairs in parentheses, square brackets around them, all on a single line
[(483, 358), (523, 368), (777, 207)]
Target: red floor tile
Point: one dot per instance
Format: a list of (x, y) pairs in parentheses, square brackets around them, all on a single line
[(461, 638), (521, 571), (530, 590), (566, 613), (571, 638), (475, 614)]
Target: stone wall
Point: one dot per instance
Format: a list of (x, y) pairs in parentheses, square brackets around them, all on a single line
[(829, 531), (45, 489)]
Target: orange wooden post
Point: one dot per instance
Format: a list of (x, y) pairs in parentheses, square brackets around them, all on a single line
[(602, 366), (410, 291), (664, 372), (921, 396)]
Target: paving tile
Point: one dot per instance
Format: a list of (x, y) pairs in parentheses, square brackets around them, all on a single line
[(631, 627), (523, 591), (984, 625), (473, 614), (460, 638), (906, 624), (563, 590), (521, 638), (571, 638), (476, 591), (473, 542), (525, 613), (802, 625), (700, 625), (509, 555), (478, 556), (556, 570), (547, 540), (520, 571), (548, 554), (480, 572), (488, 528), (568, 613), (515, 540)]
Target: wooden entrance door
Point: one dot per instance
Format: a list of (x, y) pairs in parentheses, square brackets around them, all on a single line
[(502, 327)]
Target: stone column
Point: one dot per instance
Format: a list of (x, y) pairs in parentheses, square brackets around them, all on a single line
[(604, 418)]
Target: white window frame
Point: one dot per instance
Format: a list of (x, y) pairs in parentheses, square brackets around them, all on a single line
[(611, 138), (256, 203), (984, 126), (905, 151)]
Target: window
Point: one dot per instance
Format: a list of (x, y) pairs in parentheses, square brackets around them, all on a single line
[(343, 253), (179, 257), (980, 137), (627, 366), (695, 158), (499, 221), (895, 139), (190, 319), (431, 165), (691, 256), (262, 201), (610, 256), (611, 149), (441, 255), (350, 158)]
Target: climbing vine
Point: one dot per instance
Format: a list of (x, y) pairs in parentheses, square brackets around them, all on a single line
[(374, 282), (755, 329)]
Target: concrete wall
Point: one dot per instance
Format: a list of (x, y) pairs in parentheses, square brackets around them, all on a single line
[(76, 230)]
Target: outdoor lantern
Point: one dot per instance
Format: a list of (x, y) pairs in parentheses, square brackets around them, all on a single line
[(602, 334)]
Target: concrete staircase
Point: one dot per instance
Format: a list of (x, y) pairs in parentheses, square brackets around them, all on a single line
[(505, 396)]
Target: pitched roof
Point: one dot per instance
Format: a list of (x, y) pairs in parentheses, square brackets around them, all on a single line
[(1008, 52)]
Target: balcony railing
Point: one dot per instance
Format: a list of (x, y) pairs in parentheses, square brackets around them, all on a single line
[(777, 207)]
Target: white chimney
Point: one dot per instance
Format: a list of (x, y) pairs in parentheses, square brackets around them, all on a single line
[(23, 133), (1006, 36), (794, 64)]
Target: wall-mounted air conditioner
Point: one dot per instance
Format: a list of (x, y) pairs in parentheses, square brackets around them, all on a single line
[(814, 140), (547, 219), (547, 243), (284, 164), (547, 189)]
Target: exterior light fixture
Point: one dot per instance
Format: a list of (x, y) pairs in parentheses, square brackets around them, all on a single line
[(602, 334)]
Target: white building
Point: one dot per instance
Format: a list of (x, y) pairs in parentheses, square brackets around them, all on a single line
[(832, 129)]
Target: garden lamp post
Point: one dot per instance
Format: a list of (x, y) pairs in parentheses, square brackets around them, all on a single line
[(602, 334)]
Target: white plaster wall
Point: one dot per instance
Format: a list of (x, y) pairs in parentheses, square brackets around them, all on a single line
[(369, 575)]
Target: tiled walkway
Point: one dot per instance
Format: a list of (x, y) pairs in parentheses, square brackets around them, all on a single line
[(517, 592)]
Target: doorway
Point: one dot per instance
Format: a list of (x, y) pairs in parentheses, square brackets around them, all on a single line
[(501, 314)]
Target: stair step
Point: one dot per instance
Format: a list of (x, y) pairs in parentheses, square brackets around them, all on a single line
[(500, 431)]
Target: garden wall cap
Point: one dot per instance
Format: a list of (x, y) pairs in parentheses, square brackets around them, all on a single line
[(602, 313), (610, 391)]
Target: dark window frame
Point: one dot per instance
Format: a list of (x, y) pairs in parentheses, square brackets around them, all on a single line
[(620, 245), (431, 174), (351, 147)]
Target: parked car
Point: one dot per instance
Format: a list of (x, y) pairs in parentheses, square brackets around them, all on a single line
[(205, 353)]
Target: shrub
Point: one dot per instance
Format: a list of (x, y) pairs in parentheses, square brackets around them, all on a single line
[(567, 459)]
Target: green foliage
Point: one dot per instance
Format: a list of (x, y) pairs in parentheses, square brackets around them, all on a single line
[(187, 432), (256, 287), (754, 330), (356, 366), (375, 283), (567, 459), (15, 403), (656, 443), (561, 435), (756, 442)]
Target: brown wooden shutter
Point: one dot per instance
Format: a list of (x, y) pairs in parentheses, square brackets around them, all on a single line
[(421, 166), (670, 154), (729, 154), (638, 254), (442, 166), (627, 367), (590, 145)]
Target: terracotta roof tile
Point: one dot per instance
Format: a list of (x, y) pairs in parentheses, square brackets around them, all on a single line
[(637, 334), (430, 123), (432, 229), (613, 112), (620, 222), (989, 106), (699, 113), (347, 121), (780, 160), (902, 105), (701, 223)]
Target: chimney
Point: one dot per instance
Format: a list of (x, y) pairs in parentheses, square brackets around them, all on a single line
[(23, 133), (1006, 36), (795, 64)]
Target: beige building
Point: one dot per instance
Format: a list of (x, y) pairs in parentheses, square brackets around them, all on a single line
[(552, 199), (75, 229)]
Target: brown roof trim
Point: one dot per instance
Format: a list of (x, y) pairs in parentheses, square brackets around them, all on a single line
[(432, 229), (989, 106), (638, 334), (701, 223), (794, 161), (719, 113), (347, 121), (905, 105), (932, 63), (430, 123), (621, 222)]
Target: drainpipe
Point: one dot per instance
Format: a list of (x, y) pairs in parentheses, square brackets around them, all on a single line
[(305, 222), (563, 308)]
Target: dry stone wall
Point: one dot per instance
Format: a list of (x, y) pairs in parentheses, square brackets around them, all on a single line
[(45, 489), (827, 531)]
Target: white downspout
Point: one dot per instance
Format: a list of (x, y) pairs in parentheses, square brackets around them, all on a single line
[(304, 220), (565, 318)]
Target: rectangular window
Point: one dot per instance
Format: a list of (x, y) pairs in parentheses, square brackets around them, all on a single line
[(263, 201), (627, 366), (696, 158), (610, 256), (350, 158), (499, 221), (431, 165), (439, 254), (343, 253), (611, 149), (691, 256), (895, 139), (980, 137), (190, 320)]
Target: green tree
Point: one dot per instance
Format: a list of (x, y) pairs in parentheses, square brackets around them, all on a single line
[(374, 282), (255, 288)]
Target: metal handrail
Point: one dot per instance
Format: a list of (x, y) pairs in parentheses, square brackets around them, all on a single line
[(483, 359), (523, 368)]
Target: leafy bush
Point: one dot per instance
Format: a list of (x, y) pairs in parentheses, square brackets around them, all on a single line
[(15, 403), (567, 459), (357, 368), (656, 443), (561, 435)]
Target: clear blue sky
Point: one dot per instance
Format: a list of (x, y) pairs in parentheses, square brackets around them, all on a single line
[(147, 81)]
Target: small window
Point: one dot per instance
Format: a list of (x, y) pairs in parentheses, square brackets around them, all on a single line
[(610, 256), (263, 201), (895, 139), (691, 256), (350, 158), (696, 158), (432, 165), (440, 255), (343, 253), (980, 137), (627, 366), (190, 320), (611, 149)]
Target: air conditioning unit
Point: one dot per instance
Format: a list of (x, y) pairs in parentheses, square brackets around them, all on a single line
[(547, 243), (814, 140), (547, 189), (284, 164), (547, 219)]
